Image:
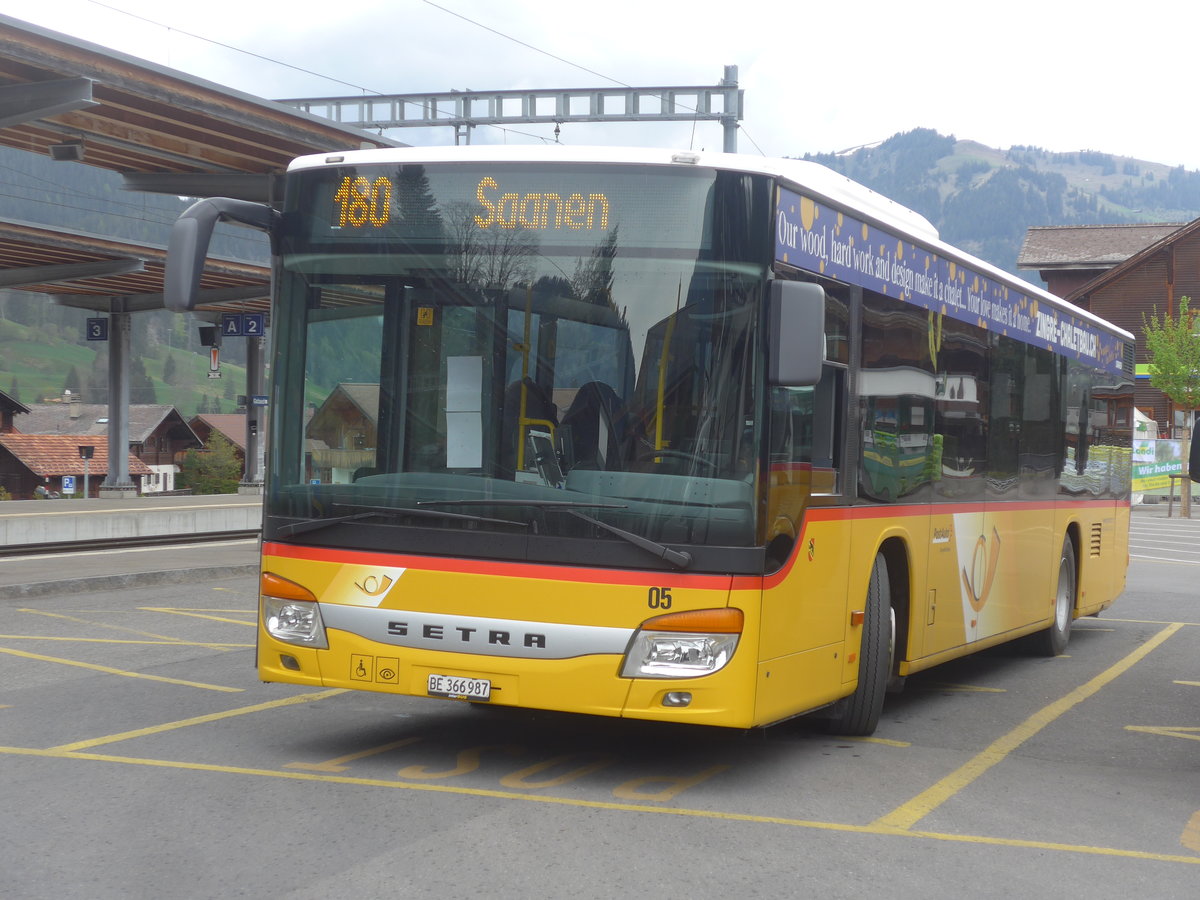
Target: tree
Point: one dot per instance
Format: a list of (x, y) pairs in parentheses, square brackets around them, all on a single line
[(73, 382), (213, 470), (1174, 349)]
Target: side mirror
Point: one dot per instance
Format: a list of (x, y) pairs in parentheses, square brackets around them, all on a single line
[(796, 338), (190, 236)]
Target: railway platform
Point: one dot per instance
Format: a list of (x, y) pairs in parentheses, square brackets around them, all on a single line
[(49, 546), (37, 523)]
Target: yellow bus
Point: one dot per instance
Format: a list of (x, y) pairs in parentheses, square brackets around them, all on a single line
[(677, 436)]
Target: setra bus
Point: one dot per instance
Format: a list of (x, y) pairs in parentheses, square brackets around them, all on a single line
[(676, 436)]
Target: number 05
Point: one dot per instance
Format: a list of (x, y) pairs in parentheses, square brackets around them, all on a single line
[(659, 598)]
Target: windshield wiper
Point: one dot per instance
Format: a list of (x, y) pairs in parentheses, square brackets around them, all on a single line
[(536, 504), (388, 512), (678, 558), (681, 559)]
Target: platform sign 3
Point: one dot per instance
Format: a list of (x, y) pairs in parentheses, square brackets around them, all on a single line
[(97, 329)]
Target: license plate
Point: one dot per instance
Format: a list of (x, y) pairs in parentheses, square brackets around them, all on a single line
[(454, 686)]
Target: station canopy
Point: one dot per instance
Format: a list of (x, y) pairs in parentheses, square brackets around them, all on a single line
[(162, 131)]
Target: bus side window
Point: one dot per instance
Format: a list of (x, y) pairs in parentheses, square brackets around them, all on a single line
[(806, 424)]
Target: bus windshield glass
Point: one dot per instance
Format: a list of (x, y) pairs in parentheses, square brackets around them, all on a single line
[(554, 363)]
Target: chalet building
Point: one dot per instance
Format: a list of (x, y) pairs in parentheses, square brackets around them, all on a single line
[(1123, 273), (9, 408), (343, 433), (231, 426), (156, 434), (35, 465)]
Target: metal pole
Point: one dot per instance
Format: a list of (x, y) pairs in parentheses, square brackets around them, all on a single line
[(729, 121), (255, 381)]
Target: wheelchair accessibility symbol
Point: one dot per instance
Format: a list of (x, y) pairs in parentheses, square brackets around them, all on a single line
[(383, 669)]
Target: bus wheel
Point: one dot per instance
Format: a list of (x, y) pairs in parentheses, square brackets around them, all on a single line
[(858, 714), (1053, 640)]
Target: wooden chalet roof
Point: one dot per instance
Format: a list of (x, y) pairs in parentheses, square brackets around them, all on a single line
[(49, 455), (92, 419), (1088, 246), (13, 406), (231, 426), (1128, 265)]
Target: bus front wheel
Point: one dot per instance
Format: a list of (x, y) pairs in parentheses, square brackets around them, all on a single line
[(859, 713)]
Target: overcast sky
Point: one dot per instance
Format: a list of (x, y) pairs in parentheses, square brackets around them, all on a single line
[(818, 76)]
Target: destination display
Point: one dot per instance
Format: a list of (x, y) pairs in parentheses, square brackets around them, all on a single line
[(553, 205), (811, 235)]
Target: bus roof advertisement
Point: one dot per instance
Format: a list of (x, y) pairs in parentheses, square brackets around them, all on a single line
[(813, 236)]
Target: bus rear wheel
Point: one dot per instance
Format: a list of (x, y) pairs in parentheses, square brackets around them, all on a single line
[(1053, 640), (858, 714)]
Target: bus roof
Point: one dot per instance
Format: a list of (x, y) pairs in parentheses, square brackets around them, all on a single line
[(807, 177)]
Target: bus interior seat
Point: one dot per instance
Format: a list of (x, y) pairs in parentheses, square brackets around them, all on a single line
[(595, 427)]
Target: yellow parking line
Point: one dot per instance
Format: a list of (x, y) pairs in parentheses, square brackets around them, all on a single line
[(1186, 732), (196, 615), (873, 829), (962, 688), (108, 670), (50, 615), (908, 814), (335, 765), (1191, 833), (196, 720), (211, 645)]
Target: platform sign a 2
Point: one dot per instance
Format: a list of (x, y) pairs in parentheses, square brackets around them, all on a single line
[(243, 324)]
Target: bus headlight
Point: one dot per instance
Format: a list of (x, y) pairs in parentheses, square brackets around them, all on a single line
[(294, 622), (290, 612), (683, 645)]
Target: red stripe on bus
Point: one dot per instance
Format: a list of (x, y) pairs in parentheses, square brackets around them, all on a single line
[(586, 575), (545, 572)]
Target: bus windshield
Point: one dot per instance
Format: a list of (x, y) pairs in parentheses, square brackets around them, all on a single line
[(552, 363)]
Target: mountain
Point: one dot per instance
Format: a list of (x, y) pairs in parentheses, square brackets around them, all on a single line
[(983, 199)]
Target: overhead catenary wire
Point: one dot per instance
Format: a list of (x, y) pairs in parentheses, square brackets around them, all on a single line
[(369, 90)]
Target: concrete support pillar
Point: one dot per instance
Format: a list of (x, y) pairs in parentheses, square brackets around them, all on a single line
[(117, 482)]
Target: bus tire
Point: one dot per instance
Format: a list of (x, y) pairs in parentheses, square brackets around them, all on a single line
[(1053, 640), (858, 714)]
